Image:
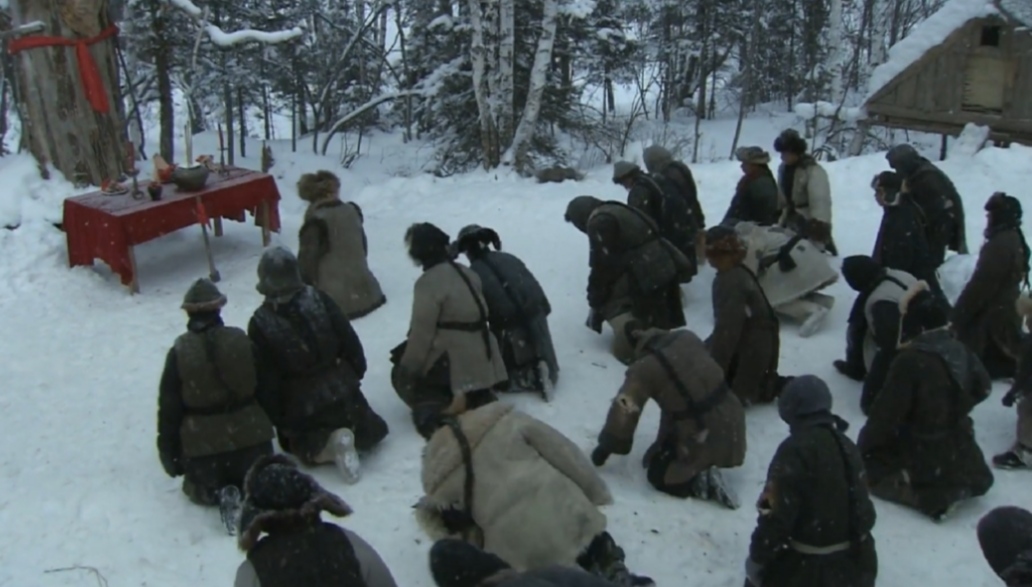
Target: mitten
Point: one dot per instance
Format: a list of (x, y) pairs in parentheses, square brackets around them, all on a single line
[(1011, 397), (171, 465), (599, 456)]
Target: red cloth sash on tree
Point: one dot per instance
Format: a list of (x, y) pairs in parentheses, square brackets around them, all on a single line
[(89, 73)]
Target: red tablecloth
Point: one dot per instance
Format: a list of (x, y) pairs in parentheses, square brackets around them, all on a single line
[(104, 227)]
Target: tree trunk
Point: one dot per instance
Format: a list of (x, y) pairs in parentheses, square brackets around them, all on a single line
[(227, 141), (166, 106), (60, 126), (242, 122), (517, 153), (506, 77), (488, 131)]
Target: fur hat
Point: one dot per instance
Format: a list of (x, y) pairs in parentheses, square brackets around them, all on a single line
[(457, 563), (320, 185), (1024, 306), (1004, 207), (203, 296), (920, 310), (277, 496), (474, 236), (427, 243), (753, 155), (789, 141), (624, 169), (579, 210), (1005, 535), (861, 271), (723, 239), (890, 181)]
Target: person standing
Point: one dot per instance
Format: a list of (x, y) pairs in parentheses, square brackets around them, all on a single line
[(941, 206)]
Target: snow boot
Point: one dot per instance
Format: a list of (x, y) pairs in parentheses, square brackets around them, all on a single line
[(813, 323), (230, 504), (345, 456), (1018, 457), (718, 491)]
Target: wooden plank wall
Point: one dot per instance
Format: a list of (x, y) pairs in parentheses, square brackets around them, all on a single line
[(935, 84)]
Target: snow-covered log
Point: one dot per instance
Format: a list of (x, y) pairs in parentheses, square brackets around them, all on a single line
[(224, 39), (821, 109)]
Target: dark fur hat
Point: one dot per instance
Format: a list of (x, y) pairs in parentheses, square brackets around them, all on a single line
[(277, 496), (580, 209), (427, 243), (1005, 535), (890, 181), (474, 237), (789, 141), (920, 310), (320, 185), (1004, 206)]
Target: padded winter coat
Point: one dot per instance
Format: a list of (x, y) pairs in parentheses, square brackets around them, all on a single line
[(812, 271), (535, 494), (332, 256), (707, 427)]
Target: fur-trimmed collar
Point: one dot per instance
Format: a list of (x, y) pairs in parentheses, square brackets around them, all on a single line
[(442, 456), (911, 293), (254, 520), (323, 203)]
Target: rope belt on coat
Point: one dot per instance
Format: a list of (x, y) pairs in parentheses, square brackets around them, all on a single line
[(481, 324)]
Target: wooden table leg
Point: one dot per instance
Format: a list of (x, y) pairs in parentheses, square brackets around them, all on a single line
[(263, 220), (134, 285), (217, 223)]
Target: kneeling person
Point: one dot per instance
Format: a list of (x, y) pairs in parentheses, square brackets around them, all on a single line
[(702, 426), (815, 521), (311, 364), (919, 444), (210, 426)]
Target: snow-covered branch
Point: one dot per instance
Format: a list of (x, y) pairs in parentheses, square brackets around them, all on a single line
[(362, 110), (224, 39)]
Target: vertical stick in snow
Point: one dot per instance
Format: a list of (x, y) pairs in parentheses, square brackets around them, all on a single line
[(517, 153), (506, 78), (478, 54)]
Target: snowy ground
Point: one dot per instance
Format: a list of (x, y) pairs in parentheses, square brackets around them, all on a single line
[(81, 480)]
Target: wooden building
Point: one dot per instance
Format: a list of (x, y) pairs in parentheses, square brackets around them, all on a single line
[(971, 62)]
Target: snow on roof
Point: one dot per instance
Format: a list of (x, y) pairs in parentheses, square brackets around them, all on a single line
[(927, 35), (1020, 10)]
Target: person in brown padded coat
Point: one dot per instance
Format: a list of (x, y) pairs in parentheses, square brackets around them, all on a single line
[(702, 425), (984, 316), (333, 248), (745, 341)]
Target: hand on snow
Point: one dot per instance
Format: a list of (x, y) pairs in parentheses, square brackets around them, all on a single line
[(753, 572), (1012, 397), (599, 456), (171, 465)]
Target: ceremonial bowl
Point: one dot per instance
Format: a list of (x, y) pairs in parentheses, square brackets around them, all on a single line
[(190, 179)]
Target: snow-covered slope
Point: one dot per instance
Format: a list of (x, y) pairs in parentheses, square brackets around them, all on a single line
[(81, 483)]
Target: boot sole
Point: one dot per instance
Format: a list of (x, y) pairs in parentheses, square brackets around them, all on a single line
[(346, 458)]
